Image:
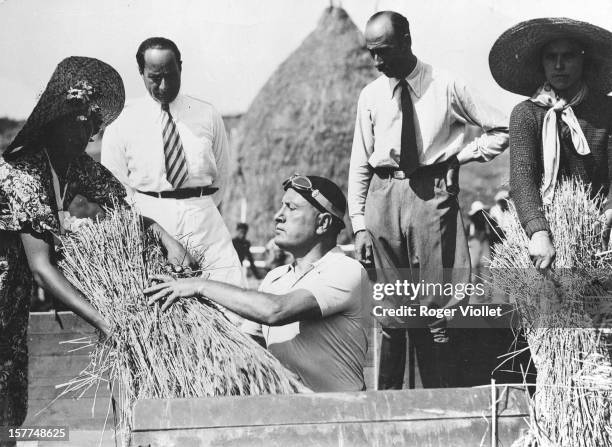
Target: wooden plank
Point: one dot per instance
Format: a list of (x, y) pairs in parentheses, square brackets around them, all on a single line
[(455, 432), (93, 438), (50, 392), (59, 344), (72, 412), (46, 323), (54, 366), (50, 381), (369, 406)]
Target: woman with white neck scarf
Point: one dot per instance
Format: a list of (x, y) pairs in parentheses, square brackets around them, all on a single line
[(563, 129)]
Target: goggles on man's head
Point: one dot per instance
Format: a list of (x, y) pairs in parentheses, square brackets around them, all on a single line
[(302, 184)]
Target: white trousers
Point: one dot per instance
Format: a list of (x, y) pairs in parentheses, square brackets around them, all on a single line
[(198, 225)]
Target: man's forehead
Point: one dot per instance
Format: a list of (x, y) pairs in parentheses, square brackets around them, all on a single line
[(379, 32), (160, 58), (292, 196)]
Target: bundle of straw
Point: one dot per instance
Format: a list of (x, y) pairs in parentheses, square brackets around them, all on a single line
[(561, 313), (192, 350)]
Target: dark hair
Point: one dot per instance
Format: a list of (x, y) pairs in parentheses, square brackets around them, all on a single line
[(156, 42), (336, 227), (400, 24), (242, 226)]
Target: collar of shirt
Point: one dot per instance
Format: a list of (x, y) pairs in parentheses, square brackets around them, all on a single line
[(174, 107), (315, 266), (414, 80)]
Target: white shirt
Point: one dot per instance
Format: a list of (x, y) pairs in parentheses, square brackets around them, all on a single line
[(132, 147), (444, 108), (327, 353)]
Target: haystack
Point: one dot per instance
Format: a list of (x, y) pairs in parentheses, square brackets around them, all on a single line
[(302, 120), (192, 350), (565, 314)]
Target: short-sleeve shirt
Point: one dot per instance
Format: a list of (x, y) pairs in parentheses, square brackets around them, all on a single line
[(328, 354)]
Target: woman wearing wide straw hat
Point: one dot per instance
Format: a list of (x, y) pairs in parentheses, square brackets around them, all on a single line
[(565, 67), (44, 172)]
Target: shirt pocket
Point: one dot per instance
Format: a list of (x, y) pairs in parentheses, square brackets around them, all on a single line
[(199, 153)]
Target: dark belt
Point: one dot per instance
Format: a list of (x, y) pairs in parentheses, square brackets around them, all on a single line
[(399, 174), (184, 193)]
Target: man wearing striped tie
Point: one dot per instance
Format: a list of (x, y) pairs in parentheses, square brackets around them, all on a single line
[(171, 152)]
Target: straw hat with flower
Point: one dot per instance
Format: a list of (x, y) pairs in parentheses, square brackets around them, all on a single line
[(81, 86), (515, 58)]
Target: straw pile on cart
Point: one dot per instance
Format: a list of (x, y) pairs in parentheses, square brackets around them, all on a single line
[(191, 350), (565, 315)]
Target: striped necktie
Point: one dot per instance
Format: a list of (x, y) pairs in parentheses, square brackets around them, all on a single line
[(176, 164)]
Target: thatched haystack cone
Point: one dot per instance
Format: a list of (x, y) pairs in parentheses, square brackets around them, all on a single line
[(561, 312), (302, 119)]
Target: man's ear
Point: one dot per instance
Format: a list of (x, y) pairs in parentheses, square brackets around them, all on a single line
[(180, 65), (407, 41), (324, 223)]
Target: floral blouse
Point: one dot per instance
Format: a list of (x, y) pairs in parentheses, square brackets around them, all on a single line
[(28, 204)]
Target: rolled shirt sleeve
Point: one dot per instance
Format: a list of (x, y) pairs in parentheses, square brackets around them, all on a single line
[(360, 172), (470, 109)]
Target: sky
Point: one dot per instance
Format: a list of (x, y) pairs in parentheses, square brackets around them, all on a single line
[(231, 47)]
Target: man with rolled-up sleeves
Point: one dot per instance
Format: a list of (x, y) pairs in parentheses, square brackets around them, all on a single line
[(403, 183)]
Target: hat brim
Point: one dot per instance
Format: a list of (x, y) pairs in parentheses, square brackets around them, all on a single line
[(515, 58), (53, 104)]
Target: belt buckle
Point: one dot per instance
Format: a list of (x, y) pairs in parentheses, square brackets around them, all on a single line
[(398, 175)]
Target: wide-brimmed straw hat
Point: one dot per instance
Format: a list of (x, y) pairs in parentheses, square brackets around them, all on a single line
[(515, 58), (79, 85)]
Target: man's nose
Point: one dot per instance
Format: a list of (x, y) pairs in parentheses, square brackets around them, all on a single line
[(559, 63), (278, 217), (163, 84), (377, 60)]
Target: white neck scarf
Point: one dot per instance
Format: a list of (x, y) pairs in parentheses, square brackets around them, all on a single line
[(545, 96)]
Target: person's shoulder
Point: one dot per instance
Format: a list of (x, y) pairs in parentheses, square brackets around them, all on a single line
[(526, 109), (442, 81), (198, 104), (442, 75), (606, 106), (599, 103), (376, 86), (25, 167), (338, 261), (24, 193)]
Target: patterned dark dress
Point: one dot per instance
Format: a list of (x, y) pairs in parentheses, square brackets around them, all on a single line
[(28, 205)]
